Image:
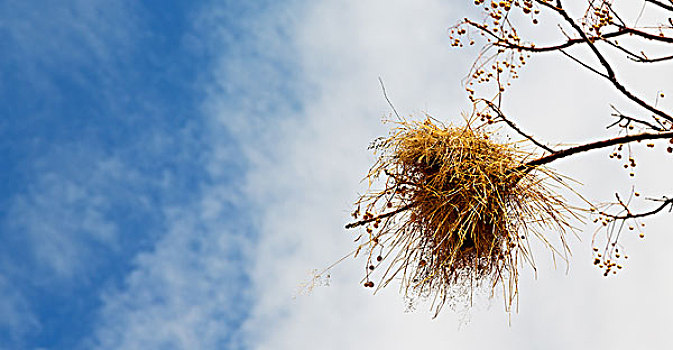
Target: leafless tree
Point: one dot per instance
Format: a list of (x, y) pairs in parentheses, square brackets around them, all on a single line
[(586, 32), (599, 36)]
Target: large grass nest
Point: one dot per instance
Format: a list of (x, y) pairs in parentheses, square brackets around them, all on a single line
[(455, 213)]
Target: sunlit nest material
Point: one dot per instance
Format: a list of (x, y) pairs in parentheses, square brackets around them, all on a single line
[(456, 211)]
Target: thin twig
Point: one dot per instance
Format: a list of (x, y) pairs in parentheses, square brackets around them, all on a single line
[(383, 87), (513, 126), (584, 64), (622, 117), (651, 60), (615, 13), (666, 202), (382, 216)]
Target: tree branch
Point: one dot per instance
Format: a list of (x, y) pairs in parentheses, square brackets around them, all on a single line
[(651, 60), (647, 35), (595, 145), (660, 4), (507, 44), (629, 120), (559, 9), (378, 217), (592, 69), (610, 72), (665, 202), (513, 126)]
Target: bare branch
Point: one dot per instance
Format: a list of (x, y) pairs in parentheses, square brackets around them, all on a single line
[(584, 64), (623, 117), (660, 4), (378, 217), (513, 126), (559, 9), (651, 60), (597, 145), (615, 13), (647, 35), (610, 72), (570, 42), (629, 215), (640, 58)]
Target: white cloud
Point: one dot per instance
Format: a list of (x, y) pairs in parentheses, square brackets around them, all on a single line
[(16, 317), (319, 157), (191, 289), (82, 39), (187, 292), (79, 32), (62, 219)]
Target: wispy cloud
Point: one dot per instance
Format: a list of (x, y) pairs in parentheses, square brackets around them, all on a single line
[(61, 193), (187, 293), (63, 221), (17, 319), (107, 154), (192, 290), (77, 33)]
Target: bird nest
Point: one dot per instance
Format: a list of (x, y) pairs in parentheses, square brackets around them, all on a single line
[(456, 211)]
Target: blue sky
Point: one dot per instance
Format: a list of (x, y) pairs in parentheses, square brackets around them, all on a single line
[(104, 145), (172, 171)]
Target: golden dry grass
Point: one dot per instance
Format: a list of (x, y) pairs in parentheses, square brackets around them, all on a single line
[(456, 211)]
